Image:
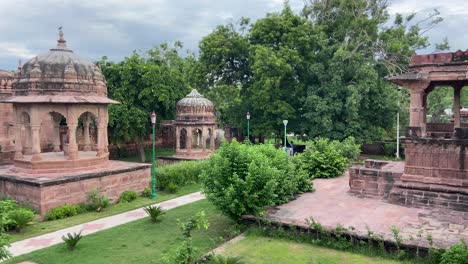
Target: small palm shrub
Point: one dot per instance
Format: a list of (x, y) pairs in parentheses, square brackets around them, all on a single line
[(7, 206), (64, 211), (21, 217), (154, 212), (220, 259), (146, 192), (96, 201), (128, 196), (71, 240)]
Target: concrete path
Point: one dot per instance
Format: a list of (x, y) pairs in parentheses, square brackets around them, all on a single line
[(332, 204), (46, 240)]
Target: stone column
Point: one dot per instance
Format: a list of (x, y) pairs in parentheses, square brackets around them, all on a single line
[(72, 145), (100, 140), (188, 142), (456, 106), (417, 110), (18, 145), (56, 142), (177, 133), (203, 137), (212, 139), (28, 145), (86, 139), (36, 142)]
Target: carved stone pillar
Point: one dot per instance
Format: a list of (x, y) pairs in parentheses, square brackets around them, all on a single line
[(456, 106), (72, 145), (417, 110), (189, 139), (28, 145), (86, 139), (203, 138), (212, 139), (100, 140), (36, 142), (18, 145), (56, 141), (177, 139)]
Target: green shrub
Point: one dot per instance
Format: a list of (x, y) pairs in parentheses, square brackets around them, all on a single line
[(21, 217), (64, 211), (154, 212), (456, 254), (128, 196), (7, 206), (71, 240), (4, 244), (241, 179), (179, 174), (327, 159), (146, 192), (172, 188), (220, 259), (96, 201)]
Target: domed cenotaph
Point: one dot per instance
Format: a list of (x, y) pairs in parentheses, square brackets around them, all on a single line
[(62, 95)]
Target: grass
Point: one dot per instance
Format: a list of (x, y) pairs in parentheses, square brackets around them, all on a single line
[(260, 249), (50, 226), (140, 241), (160, 152)]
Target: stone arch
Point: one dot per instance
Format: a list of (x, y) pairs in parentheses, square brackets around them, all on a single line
[(183, 138), (87, 131), (197, 136)]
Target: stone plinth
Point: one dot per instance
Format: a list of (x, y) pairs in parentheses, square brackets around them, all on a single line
[(46, 191), (375, 178)]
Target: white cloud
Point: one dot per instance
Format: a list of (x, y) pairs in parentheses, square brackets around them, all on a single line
[(16, 50)]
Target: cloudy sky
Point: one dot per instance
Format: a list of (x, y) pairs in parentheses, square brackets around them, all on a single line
[(94, 28)]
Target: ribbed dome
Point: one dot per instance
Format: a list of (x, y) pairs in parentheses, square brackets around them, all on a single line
[(194, 103), (60, 70), (6, 74)]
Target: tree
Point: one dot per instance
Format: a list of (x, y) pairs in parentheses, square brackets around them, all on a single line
[(154, 80)]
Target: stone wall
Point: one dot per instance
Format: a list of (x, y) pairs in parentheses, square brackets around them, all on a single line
[(375, 178), (45, 195)]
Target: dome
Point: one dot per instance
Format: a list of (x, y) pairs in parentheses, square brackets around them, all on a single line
[(6, 75), (195, 103), (59, 71), (6, 78)]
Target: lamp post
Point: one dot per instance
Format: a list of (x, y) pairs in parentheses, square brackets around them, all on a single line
[(248, 126), (398, 127), (153, 167), (285, 122)]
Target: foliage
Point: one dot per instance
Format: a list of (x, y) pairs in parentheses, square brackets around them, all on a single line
[(128, 196), (97, 201), (327, 159), (456, 254), (4, 244), (172, 187), (7, 206), (71, 240), (241, 179), (21, 217), (179, 174), (185, 253), (64, 211), (146, 192), (154, 212), (220, 259)]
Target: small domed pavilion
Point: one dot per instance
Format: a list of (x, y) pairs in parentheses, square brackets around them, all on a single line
[(6, 116), (195, 126), (59, 89)]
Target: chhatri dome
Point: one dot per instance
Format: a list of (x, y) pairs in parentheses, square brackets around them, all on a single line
[(195, 103), (54, 93)]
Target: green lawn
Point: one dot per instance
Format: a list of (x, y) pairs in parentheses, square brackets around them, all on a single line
[(50, 226), (137, 242), (160, 152), (265, 250)]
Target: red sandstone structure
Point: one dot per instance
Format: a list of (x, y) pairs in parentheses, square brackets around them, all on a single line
[(436, 169), (195, 126), (6, 118), (65, 97)]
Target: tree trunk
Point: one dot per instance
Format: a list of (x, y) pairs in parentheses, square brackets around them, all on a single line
[(141, 149)]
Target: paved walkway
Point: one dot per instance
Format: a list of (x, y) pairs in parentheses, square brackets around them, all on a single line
[(332, 204), (46, 240)]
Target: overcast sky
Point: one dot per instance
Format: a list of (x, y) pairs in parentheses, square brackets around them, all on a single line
[(94, 28)]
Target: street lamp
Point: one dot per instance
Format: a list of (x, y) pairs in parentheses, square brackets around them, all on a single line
[(248, 126), (153, 167), (285, 122)]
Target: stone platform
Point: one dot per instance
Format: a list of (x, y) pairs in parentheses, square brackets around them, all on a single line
[(48, 190), (332, 204)]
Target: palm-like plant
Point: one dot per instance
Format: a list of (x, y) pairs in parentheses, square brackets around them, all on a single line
[(72, 240), (154, 212), (220, 259)]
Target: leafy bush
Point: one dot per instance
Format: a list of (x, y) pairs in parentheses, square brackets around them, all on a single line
[(146, 192), (64, 211), (128, 196), (72, 240), (7, 206), (154, 212), (4, 244), (172, 188), (240, 179), (179, 174), (456, 254), (220, 259), (97, 201), (327, 159), (21, 217)]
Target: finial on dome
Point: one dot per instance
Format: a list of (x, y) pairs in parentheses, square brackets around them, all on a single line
[(19, 65), (61, 42)]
